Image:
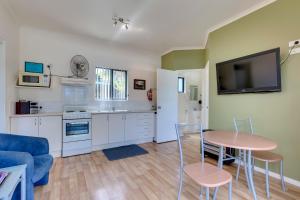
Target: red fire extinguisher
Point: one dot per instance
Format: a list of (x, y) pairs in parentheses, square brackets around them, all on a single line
[(149, 94)]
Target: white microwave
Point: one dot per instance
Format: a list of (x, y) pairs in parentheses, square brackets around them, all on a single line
[(34, 79)]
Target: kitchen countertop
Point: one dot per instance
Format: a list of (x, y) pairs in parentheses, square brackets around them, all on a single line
[(122, 111), (38, 115), (93, 112)]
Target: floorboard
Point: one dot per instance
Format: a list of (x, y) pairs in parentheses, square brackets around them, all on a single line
[(153, 176)]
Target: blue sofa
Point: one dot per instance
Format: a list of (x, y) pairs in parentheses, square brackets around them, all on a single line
[(33, 151)]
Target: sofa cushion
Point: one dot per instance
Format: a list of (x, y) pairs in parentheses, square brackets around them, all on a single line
[(42, 165)]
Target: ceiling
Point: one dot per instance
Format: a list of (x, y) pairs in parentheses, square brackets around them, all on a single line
[(156, 25)]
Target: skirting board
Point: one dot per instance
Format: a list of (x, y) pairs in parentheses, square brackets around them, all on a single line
[(275, 175)]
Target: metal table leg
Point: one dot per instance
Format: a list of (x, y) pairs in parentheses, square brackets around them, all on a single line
[(250, 175), (245, 168)]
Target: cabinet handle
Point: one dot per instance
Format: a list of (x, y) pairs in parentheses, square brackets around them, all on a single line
[(35, 121), (40, 122)]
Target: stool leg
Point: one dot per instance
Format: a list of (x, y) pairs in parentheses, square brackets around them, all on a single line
[(239, 165), (253, 162), (207, 193), (230, 190), (267, 179), (180, 183), (201, 193), (282, 177)]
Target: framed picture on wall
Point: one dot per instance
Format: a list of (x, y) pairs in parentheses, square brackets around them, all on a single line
[(139, 84)]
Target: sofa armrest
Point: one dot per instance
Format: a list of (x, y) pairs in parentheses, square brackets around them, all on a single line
[(12, 158), (33, 145)]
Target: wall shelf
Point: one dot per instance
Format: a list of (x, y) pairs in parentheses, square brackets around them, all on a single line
[(21, 86)]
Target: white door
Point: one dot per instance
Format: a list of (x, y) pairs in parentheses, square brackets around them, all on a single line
[(2, 89), (27, 126), (116, 128), (167, 105), (205, 96), (131, 131), (100, 129), (50, 127)]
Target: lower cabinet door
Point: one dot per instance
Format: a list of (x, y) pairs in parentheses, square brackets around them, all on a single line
[(99, 129), (131, 129), (50, 127), (27, 126), (116, 128)]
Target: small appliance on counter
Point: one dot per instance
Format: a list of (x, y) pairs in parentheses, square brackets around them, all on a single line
[(24, 107)]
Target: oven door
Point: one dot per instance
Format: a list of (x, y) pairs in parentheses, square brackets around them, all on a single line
[(76, 130)]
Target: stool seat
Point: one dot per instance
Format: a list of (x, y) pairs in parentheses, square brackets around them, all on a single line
[(207, 175), (267, 156)]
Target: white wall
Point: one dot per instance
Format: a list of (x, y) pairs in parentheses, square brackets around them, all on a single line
[(2, 88), (9, 35), (56, 48)]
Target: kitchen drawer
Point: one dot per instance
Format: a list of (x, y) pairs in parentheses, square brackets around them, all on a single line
[(145, 123), (145, 116)]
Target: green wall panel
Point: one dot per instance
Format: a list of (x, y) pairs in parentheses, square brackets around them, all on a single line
[(276, 115), (184, 59)]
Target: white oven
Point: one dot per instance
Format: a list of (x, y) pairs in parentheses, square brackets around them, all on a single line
[(76, 130)]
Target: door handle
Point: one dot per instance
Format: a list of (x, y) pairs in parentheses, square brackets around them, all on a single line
[(158, 107)]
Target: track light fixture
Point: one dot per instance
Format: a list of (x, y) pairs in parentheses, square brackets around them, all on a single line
[(119, 20)]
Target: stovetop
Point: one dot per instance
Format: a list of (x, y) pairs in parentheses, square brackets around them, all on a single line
[(76, 112)]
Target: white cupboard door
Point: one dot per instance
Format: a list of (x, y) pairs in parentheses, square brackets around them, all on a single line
[(205, 96), (99, 129), (27, 126), (167, 105), (116, 128), (131, 132), (50, 127)]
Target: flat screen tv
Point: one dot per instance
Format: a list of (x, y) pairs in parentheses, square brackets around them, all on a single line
[(259, 72)]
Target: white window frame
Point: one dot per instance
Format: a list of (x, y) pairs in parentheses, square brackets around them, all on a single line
[(111, 84)]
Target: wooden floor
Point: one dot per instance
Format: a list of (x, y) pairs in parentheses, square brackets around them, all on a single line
[(151, 176)]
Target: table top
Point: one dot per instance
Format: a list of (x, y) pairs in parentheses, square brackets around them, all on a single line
[(243, 141), (9, 183)]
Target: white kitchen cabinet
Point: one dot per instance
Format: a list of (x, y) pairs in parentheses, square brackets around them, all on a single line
[(145, 125), (131, 132), (50, 127), (99, 129), (116, 128), (27, 126)]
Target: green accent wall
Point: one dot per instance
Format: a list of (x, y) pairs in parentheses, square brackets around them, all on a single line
[(275, 115), (184, 59)]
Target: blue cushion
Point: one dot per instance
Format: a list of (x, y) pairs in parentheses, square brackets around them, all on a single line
[(42, 165)]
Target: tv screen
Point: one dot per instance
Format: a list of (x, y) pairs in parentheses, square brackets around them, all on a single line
[(259, 72)]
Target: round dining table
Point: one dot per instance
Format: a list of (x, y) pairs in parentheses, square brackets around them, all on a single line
[(244, 141)]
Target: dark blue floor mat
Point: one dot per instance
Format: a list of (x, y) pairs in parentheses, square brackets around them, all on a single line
[(124, 152)]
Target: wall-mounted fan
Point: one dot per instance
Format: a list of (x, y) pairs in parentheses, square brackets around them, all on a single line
[(79, 66)]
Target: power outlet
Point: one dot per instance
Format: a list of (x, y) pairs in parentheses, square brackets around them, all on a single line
[(295, 51), (292, 43)]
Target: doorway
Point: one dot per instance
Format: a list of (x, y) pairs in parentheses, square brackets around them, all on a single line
[(2, 88), (182, 96), (193, 96)]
